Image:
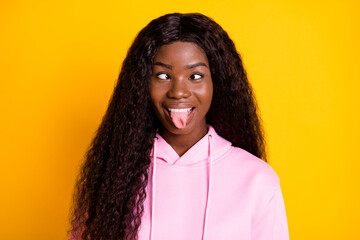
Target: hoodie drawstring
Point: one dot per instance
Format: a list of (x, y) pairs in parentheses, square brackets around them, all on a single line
[(153, 192), (208, 197), (209, 190)]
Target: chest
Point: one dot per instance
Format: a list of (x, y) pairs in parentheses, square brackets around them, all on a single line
[(181, 197)]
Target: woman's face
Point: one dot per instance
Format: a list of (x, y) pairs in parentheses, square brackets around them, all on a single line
[(181, 87)]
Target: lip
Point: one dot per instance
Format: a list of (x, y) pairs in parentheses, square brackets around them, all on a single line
[(179, 106)]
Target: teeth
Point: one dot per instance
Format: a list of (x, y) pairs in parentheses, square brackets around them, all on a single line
[(180, 110)]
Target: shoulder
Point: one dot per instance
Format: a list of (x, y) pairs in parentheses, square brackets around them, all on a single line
[(250, 168), (240, 165), (254, 178)]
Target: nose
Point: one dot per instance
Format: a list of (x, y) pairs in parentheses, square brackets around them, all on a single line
[(179, 89)]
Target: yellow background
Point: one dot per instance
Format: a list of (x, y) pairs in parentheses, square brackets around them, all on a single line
[(59, 62)]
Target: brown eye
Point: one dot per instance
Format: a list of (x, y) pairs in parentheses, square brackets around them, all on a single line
[(196, 76), (163, 76)]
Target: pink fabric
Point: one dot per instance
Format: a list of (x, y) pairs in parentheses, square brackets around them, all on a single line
[(246, 199)]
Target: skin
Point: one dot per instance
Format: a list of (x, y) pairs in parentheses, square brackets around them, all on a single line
[(181, 78)]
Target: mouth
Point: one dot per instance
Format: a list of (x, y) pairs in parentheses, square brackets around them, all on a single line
[(180, 110), (179, 116)]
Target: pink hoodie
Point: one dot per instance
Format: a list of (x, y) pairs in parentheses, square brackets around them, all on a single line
[(213, 192)]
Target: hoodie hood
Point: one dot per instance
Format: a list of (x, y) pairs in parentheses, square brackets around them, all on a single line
[(196, 155)]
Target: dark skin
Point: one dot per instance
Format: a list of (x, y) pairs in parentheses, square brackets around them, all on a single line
[(181, 80)]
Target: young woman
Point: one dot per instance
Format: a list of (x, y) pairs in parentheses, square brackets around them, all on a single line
[(178, 153)]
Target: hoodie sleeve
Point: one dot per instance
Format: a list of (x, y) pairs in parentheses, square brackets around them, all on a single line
[(271, 224)]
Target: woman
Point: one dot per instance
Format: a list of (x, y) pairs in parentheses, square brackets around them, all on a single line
[(178, 153)]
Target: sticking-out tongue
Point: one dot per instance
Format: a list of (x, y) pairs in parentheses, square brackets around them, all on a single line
[(179, 119)]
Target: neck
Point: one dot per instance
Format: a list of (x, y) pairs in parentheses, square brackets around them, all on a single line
[(183, 142)]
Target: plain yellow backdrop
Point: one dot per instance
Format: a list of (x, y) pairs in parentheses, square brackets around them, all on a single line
[(60, 60)]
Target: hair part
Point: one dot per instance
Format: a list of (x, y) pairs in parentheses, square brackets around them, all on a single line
[(111, 188)]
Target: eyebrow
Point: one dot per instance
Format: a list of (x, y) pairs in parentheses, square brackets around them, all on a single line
[(194, 65), (163, 65)]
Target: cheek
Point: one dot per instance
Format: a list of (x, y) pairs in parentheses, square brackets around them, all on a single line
[(158, 91), (155, 103), (211, 90), (207, 93), (154, 94)]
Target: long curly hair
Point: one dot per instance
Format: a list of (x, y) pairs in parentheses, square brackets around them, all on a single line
[(110, 190)]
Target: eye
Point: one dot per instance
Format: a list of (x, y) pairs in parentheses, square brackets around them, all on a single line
[(196, 76), (163, 76)]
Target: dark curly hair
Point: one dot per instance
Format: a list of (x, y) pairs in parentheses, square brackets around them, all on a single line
[(110, 190)]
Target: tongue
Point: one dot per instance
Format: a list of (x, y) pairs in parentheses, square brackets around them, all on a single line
[(179, 119)]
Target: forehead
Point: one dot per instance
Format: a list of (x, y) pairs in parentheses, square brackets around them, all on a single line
[(178, 52)]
